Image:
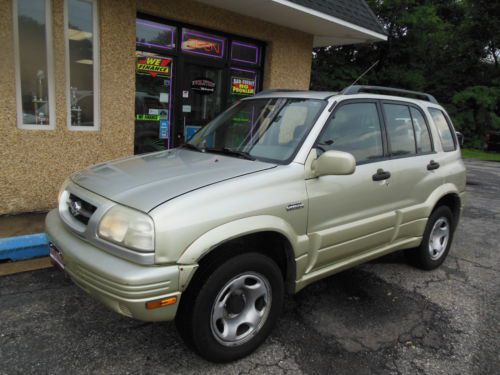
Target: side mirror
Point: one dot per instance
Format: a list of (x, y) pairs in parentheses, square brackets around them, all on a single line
[(460, 138), (334, 163)]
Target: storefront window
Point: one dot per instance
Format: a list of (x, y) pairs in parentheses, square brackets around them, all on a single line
[(83, 64), (153, 102), (185, 77), (201, 96), (155, 35), (244, 53), (199, 43), (34, 74)]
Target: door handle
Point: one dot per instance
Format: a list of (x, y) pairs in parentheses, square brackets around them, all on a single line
[(432, 165), (381, 175)]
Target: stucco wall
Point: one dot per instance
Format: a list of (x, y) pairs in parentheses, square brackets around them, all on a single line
[(33, 164)]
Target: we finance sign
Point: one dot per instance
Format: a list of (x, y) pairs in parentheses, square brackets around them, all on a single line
[(154, 66)]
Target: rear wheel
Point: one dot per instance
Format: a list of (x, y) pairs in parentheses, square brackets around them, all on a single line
[(228, 314), (436, 241)]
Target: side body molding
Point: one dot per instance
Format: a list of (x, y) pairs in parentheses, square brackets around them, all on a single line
[(238, 228)]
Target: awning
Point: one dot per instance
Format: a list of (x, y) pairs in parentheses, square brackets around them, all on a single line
[(332, 22)]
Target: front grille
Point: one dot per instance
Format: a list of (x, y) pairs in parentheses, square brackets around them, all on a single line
[(80, 209)]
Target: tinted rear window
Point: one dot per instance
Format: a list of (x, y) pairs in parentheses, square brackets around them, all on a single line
[(421, 131)]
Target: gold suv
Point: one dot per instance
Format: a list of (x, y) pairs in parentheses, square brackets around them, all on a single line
[(280, 190)]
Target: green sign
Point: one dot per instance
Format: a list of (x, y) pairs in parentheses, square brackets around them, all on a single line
[(147, 117)]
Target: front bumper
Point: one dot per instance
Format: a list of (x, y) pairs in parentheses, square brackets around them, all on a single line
[(123, 286)]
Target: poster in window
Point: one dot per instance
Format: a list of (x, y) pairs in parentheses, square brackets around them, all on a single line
[(155, 66), (242, 86), (163, 129)]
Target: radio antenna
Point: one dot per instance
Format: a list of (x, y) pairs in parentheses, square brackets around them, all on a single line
[(362, 75)]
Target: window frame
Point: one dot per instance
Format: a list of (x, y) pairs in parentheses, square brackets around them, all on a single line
[(50, 70), (450, 128), (426, 120), (383, 131), (96, 66), (155, 47), (324, 105), (235, 61)]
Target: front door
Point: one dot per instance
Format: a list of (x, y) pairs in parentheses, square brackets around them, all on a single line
[(201, 98), (351, 214)]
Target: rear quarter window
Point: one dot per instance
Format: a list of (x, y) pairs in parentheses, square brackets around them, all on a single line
[(444, 129)]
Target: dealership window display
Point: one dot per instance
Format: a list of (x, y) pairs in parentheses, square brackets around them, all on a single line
[(212, 71), (34, 69), (82, 59)]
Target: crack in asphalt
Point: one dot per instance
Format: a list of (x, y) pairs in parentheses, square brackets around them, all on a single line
[(426, 332), (476, 264)]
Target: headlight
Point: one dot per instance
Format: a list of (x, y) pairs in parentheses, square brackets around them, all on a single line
[(127, 227)]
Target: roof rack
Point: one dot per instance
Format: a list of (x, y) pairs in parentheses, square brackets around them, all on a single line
[(270, 91), (352, 90)]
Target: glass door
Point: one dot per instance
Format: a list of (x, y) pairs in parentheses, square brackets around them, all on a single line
[(153, 103), (201, 96)]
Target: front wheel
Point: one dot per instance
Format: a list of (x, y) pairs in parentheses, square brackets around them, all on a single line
[(235, 308), (436, 241)]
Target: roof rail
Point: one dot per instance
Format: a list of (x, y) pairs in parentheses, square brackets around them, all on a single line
[(352, 90), (265, 92)]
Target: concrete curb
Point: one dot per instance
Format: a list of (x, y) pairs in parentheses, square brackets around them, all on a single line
[(24, 247)]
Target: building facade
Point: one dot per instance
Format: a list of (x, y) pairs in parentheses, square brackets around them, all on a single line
[(85, 81)]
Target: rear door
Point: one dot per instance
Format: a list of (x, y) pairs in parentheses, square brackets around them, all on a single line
[(449, 160), (414, 166), (349, 215)]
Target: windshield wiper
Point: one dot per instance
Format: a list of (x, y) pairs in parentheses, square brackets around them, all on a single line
[(192, 147), (229, 152)]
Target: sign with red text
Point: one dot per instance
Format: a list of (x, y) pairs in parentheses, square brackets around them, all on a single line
[(242, 86), (154, 66)]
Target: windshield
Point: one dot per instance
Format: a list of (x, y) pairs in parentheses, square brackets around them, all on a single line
[(263, 129)]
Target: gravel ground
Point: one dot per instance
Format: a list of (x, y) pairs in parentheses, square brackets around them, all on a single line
[(384, 317)]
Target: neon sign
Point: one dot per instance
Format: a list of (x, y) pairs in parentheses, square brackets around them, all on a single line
[(202, 44)]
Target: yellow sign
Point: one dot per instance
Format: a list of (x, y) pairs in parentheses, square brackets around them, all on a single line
[(154, 65)]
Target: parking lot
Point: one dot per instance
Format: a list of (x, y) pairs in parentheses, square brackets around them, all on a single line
[(384, 317)]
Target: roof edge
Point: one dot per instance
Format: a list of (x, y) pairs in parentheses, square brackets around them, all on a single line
[(330, 18)]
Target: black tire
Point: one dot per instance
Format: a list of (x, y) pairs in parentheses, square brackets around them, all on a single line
[(194, 318), (421, 256)]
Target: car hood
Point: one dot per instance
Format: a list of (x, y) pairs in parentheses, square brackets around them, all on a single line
[(146, 181)]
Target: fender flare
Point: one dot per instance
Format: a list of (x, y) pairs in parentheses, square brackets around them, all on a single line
[(238, 228), (435, 197)]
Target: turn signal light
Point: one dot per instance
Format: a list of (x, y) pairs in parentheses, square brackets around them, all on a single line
[(161, 303)]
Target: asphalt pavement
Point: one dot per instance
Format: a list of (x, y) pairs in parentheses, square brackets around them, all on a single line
[(383, 317)]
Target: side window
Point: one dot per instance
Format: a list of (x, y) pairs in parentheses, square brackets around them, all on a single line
[(354, 128), (444, 129), (400, 129), (34, 69), (421, 132)]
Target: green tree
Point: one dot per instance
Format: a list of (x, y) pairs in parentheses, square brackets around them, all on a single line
[(477, 106), (445, 47)]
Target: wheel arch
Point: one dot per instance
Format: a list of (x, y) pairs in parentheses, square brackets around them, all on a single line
[(451, 200), (268, 235)]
